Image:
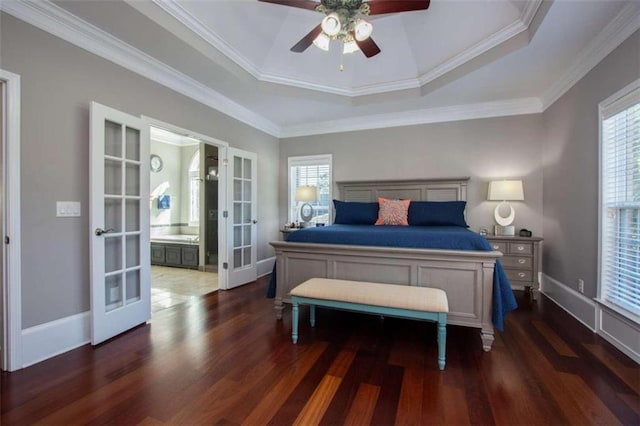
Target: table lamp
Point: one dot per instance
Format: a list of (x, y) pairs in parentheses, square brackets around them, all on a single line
[(505, 190), (306, 194)]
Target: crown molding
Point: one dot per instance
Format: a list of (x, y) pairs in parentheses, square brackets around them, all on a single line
[(60, 23), (423, 116), (177, 11), (174, 9), (618, 30), (529, 12)]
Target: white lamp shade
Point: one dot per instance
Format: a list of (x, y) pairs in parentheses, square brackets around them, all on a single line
[(322, 42), (350, 47), (363, 30), (331, 24), (505, 190), (306, 193)]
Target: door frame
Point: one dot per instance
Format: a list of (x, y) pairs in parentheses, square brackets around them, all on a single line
[(223, 278), (11, 279)]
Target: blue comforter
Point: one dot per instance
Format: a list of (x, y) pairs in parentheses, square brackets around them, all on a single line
[(426, 237)]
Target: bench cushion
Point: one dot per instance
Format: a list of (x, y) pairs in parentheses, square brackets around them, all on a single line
[(388, 295)]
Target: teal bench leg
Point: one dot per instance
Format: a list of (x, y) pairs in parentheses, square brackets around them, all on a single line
[(442, 340), (312, 315), (294, 321)]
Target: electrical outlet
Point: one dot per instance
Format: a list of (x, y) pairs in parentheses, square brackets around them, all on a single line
[(580, 285)]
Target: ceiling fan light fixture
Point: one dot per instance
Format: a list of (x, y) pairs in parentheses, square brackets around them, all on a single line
[(322, 42), (350, 47), (363, 30), (331, 24)]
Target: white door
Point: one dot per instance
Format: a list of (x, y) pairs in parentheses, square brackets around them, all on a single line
[(242, 224), (119, 219)]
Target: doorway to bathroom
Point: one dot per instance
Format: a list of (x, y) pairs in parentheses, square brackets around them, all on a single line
[(184, 219)]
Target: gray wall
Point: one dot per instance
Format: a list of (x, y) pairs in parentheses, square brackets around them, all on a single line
[(507, 147), (171, 173), (59, 81), (570, 160)]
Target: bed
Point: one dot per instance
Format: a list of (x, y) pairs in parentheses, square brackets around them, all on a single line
[(468, 273)]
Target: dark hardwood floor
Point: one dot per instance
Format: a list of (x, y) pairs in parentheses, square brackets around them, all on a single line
[(224, 359)]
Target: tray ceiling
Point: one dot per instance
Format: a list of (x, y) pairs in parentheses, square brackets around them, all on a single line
[(458, 59)]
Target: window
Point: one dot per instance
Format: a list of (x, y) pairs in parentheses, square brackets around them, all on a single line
[(312, 171), (194, 189), (619, 284)]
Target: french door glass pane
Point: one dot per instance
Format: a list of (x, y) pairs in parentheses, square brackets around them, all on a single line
[(237, 167), (112, 139), (132, 179), (247, 256), (237, 213), (247, 190), (113, 214), (237, 190), (132, 212), (246, 213), (133, 251), (237, 258), (113, 292), (133, 144), (133, 286), (237, 236), (247, 168), (112, 177), (247, 235), (112, 253)]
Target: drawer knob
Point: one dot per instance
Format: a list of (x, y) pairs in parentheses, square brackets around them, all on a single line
[(496, 247), (521, 274), (521, 261), (520, 248)]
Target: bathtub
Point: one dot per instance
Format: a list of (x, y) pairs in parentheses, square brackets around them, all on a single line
[(176, 239)]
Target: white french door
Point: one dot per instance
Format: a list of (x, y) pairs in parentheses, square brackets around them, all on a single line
[(119, 220), (242, 224)]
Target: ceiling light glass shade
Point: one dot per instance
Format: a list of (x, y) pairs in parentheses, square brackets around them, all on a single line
[(331, 24), (322, 42), (363, 30), (350, 47)]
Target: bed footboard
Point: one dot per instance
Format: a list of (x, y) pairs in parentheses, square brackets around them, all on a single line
[(466, 276)]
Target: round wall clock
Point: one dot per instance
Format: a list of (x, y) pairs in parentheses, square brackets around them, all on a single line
[(156, 163)]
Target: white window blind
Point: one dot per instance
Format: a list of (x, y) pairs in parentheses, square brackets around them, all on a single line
[(620, 209), (311, 171)]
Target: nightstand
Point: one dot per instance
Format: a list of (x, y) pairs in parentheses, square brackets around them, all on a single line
[(521, 260)]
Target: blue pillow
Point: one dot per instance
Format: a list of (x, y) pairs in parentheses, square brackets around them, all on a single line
[(437, 213), (354, 213)]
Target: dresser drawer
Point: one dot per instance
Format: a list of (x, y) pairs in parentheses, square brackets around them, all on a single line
[(520, 262), (515, 275), (499, 246), (521, 248)]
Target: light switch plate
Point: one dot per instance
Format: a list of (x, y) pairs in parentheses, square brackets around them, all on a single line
[(67, 208)]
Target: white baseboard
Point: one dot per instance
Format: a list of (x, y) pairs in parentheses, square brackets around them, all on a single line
[(265, 266), (54, 338), (576, 304)]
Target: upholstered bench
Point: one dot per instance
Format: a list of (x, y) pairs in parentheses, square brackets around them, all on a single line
[(385, 299)]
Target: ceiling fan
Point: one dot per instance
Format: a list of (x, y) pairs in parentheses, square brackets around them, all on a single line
[(344, 21)]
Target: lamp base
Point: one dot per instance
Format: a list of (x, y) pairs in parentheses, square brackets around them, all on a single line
[(505, 231)]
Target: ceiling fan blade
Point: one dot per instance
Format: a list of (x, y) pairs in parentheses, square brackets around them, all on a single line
[(302, 4), (378, 7), (368, 47), (307, 40)]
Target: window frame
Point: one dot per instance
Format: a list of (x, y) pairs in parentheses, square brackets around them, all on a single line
[(308, 160), (622, 100)]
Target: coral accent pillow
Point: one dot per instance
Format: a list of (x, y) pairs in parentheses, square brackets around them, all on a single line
[(393, 212)]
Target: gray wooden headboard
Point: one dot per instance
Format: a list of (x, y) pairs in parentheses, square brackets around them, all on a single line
[(446, 189)]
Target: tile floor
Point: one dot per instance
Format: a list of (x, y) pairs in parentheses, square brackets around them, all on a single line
[(172, 286)]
